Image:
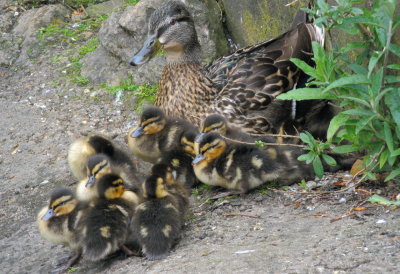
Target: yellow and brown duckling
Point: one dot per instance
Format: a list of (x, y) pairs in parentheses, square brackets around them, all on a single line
[(56, 221), (156, 134), (241, 86), (103, 226), (81, 150), (180, 160), (158, 221), (218, 123), (238, 166), (97, 166)]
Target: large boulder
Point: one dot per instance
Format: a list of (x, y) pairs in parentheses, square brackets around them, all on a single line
[(123, 34), (253, 21), (31, 21)]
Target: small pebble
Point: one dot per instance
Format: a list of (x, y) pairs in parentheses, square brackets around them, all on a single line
[(342, 200), (381, 221), (244, 251), (45, 182)]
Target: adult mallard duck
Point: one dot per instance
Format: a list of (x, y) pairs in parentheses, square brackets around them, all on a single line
[(241, 86)]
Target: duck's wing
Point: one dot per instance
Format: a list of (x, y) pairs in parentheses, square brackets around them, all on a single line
[(267, 70)]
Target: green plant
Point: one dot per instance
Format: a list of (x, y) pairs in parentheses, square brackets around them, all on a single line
[(145, 92), (90, 46), (304, 185), (132, 2), (317, 150), (360, 77), (81, 80)]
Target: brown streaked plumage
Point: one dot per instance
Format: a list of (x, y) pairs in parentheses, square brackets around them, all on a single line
[(242, 86)]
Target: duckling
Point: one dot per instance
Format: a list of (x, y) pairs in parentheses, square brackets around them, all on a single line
[(57, 220), (158, 221), (97, 166), (218, 123), (242, 167), (156, 134), (103, 226), (80, 151), (235, 166)]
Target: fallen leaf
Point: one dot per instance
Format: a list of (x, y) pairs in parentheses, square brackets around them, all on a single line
[(339, 184), (382, 201), (297, 204), (360, 208), (394, 239), (357, 167)]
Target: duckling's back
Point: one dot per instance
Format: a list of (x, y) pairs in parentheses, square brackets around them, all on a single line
[(157, 224), (103, 227)]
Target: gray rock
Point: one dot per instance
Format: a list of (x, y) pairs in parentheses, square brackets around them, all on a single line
[(31, 21), (254, 21), (9, 48), (7, 20), (123, 34), (104, 8)]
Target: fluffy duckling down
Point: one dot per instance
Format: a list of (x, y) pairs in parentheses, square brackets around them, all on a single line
[(234, 166), (80, 151), (158, 220), (157, 134), (56, 221), (97, 166), (103, 226)]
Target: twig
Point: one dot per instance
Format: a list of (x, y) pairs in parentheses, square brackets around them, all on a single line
[(269, 144), (291, 3), (276, 135), (195, 117), (84, 10), (240, 214)]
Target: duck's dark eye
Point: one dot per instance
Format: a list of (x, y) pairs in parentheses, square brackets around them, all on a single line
[(172, 22)]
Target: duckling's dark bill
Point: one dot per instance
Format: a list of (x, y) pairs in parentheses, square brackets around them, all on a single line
[(198, 159), (150, 48), (137, 132), (199, 138)]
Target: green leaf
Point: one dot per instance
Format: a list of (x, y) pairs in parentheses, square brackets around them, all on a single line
[(345, 81), (353, 46), (393, 174), (324, 7), (345, 149), (318, 168), (394, 66), (305, 157), (383, 158), (383, 201), (363, 123), (329, 160), (335, 124), (395, 49), (388, 136), (392, 100), (358, 112), (305, 138), (395, 153), (305, 94), (358, 69), (374, 60), (305, 67)]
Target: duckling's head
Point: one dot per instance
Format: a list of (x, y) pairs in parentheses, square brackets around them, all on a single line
[(163, 171), (213, 123), (211, 146), (101, 144), (110, 186), (97, 166), (187, 142), (152, 121), (62, 202), (155, 186), (171, 28)]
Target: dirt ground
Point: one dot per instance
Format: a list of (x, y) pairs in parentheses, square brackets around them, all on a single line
[(270, 231)]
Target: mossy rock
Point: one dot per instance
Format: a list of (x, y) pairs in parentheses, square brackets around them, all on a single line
[(253, 21)]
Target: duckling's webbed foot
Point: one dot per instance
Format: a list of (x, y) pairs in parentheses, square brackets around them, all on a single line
[(65, 263), (128, 252)]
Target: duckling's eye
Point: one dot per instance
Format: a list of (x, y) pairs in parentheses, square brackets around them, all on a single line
[(172, 22)]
